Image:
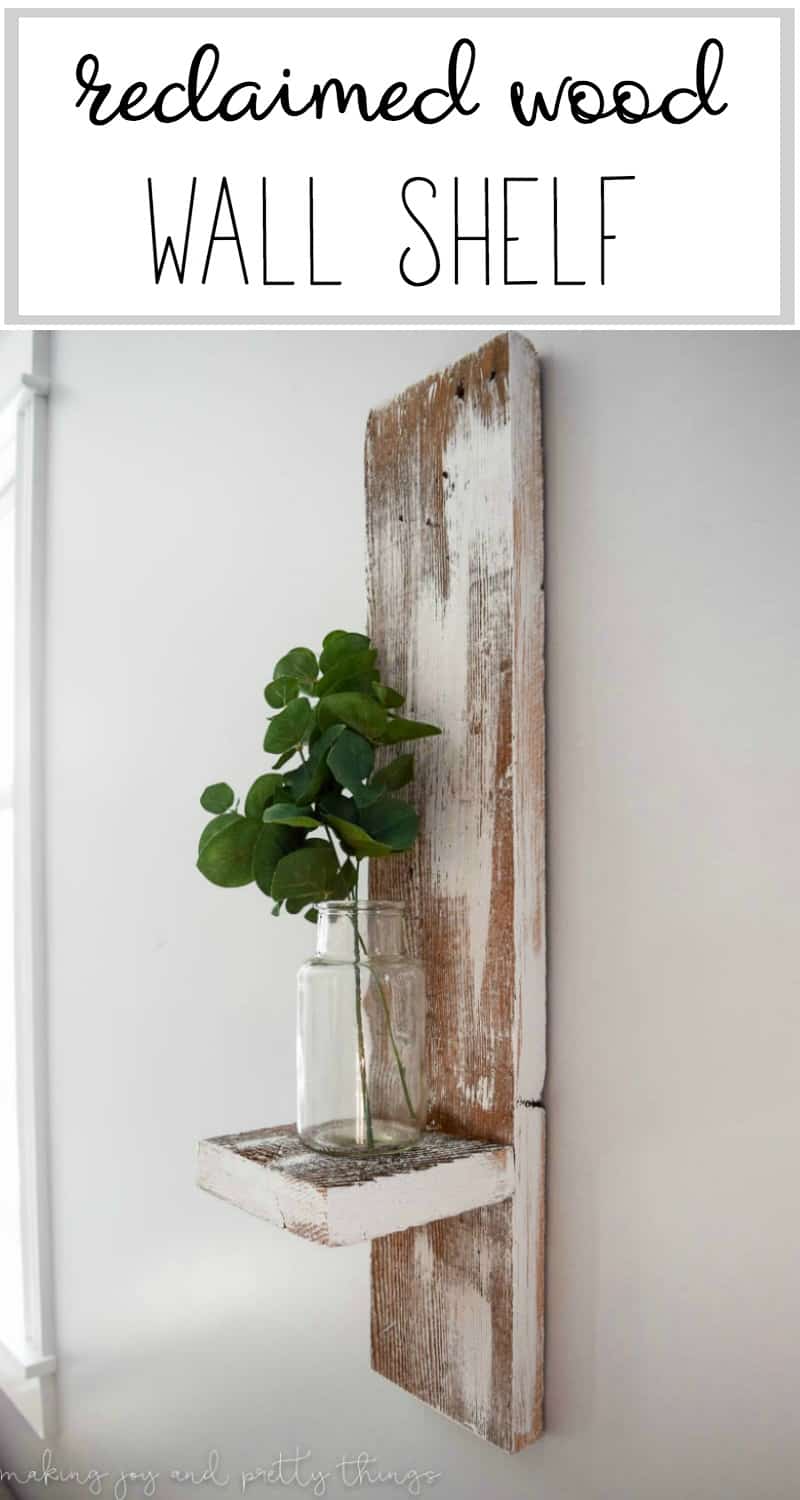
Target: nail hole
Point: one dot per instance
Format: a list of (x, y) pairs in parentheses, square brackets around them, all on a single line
[(445, 474), (460, 392), (399, 518), (492, 374)]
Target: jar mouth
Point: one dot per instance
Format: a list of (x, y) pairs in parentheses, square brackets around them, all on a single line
[(347, 906)]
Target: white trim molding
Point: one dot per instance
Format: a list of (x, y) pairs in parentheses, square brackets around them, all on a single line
[(27, 1369)]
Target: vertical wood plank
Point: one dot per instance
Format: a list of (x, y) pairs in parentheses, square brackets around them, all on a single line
[(456, 600)]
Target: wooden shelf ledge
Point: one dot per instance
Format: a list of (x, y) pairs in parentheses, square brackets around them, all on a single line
[(336, 1200)]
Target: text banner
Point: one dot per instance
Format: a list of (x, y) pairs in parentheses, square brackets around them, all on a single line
[(292, 167)]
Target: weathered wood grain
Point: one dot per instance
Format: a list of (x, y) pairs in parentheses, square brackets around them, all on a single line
[(454, 485), (335, 1200)]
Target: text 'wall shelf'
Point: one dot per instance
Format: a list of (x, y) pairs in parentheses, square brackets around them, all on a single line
[(335, 1200)]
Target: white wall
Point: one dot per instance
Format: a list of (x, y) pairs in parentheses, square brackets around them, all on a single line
[(206, 513)]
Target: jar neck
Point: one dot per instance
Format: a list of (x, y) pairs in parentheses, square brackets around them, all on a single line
[(366, 927)]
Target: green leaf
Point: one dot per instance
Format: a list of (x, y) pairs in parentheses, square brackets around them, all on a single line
[(391, 822), (356, 710), (312, 915), (351, 759), (406, 729), (287, 729), (398, 773), (386, 696), (334, 805), (227, 857), (357, 841), (300, 663), (304, 785), (345, 880), (318, 748), (289, 815), (356, 665), (217, 798), (287, 755), (308, 874), (260, 794), (339, 643), (356, 682), (294, 907), (215, 826), (276, 910), (333, 636), (364, 796), (281, 691), (272, 844)]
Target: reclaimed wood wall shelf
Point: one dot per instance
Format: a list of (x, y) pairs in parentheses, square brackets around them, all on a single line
[(337, 1200), (455, 574), (455, 582)]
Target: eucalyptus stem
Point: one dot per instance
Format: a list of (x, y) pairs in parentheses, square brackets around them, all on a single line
[(333, 846), (362, 1058), (381, 991)]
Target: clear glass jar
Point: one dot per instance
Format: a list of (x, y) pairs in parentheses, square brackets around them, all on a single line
[(361, 1033)]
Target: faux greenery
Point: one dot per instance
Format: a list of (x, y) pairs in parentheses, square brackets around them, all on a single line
[(303, 831)]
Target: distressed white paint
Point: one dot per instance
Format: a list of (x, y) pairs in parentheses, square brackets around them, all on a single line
[(469, 1313), (346, 1201), (477, 462), (455, 522)]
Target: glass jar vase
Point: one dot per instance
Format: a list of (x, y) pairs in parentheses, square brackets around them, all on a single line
[(361, 1033)]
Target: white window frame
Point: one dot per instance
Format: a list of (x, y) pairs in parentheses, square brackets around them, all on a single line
[(27, 1370)]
